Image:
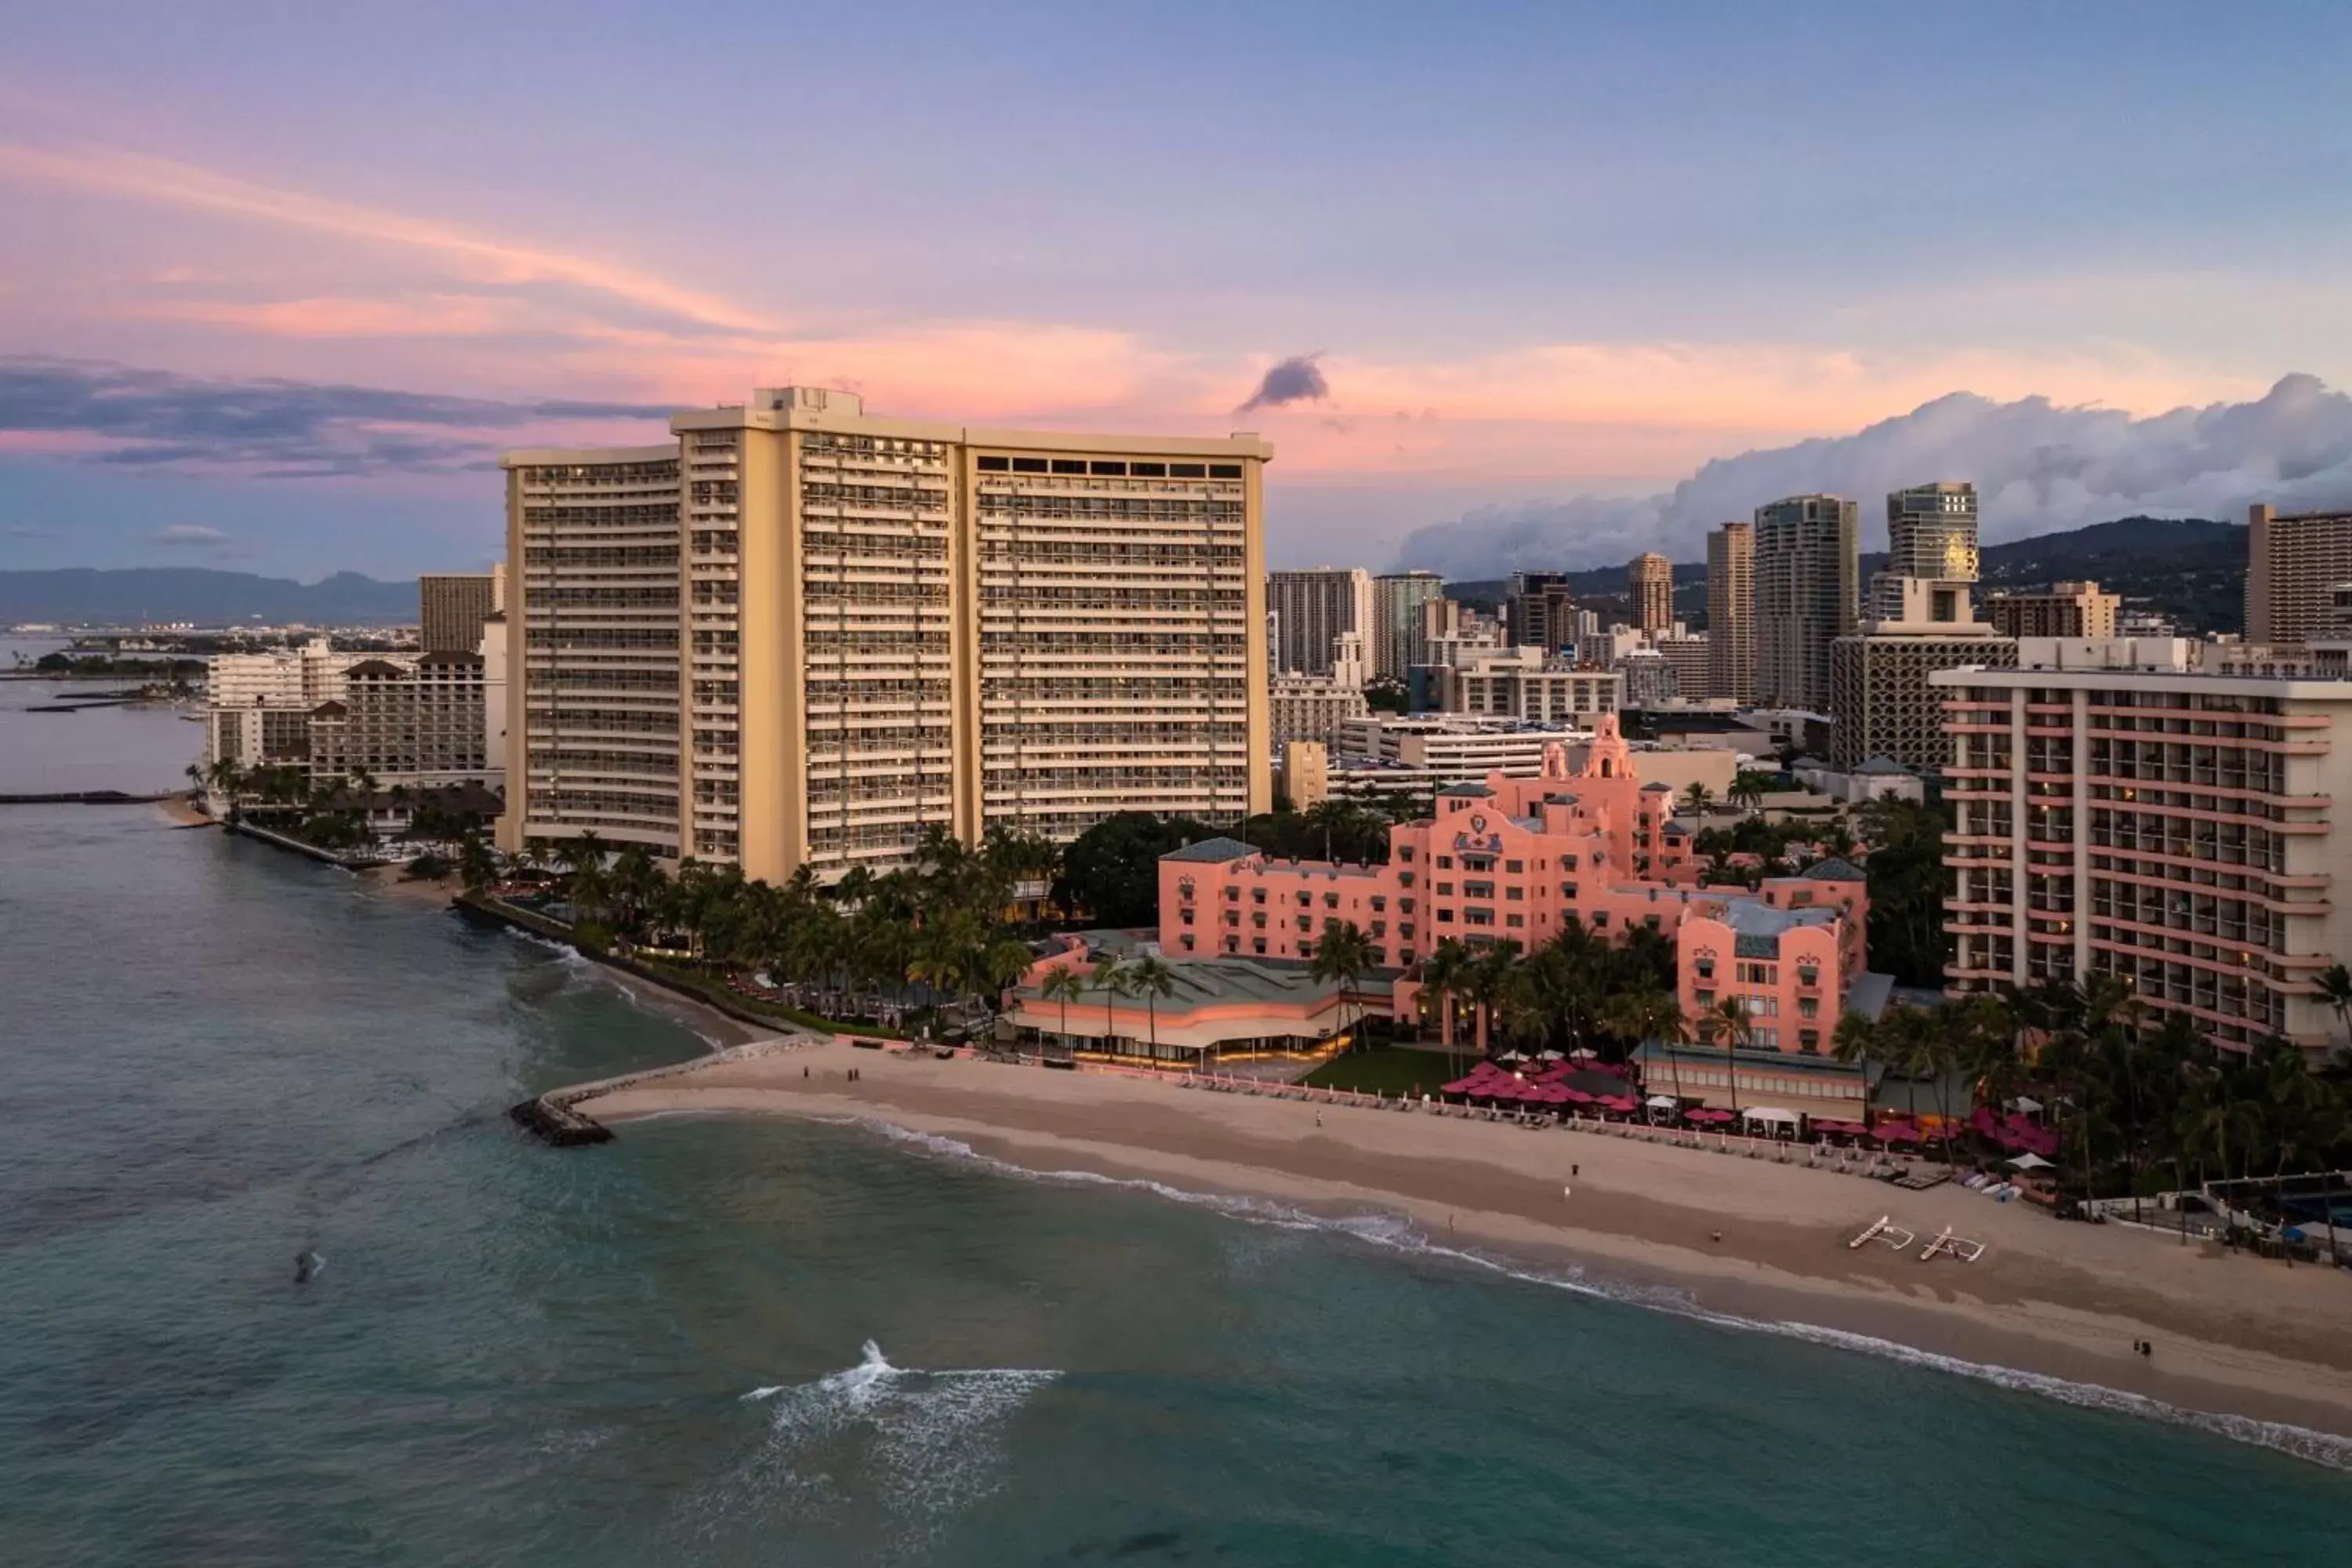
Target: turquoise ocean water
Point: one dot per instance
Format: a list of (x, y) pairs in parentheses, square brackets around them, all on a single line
[(734, 1343)]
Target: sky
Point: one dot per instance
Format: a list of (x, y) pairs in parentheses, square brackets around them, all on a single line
[(1504, 285)]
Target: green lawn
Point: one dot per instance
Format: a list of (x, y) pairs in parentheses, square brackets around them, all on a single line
[(1385, 1069)]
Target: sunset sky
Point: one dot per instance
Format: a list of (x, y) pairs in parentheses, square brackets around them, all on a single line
[(277, 281)]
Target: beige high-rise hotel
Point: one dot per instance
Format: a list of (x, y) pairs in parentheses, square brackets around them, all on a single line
[(1649, 582), (797, 634)]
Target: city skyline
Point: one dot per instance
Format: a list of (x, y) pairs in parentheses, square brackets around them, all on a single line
[(293, 336)]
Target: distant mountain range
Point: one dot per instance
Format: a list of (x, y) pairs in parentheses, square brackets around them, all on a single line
[(83, 595), (2191, 570)]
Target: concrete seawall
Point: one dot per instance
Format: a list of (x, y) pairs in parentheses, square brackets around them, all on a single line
[(556, 1116)]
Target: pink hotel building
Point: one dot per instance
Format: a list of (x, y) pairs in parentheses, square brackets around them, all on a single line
[(1523, 859)]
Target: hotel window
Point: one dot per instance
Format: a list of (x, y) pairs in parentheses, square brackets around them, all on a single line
[(1379, 902), (1810, 1041), (1379, 928), (1809, 1007), (1233, 944), (1513, 895), (1404, 878), (1513, 867), (1187, 944), (1330, 901), (994, 465), (1404, 929), (1567, 889), (1257, 895), (1600, 919), (1225, 471), (1233, 917), (1186, 914), (1028, 465), (1445, 917), (1445, 862), (1404, 853), (1444, 887), (1257, 944), (1404, 906), (1306, 923), (1704, 998), (1507, 920), (1305, 899)]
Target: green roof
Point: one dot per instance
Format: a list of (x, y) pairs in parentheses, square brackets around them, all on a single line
[(1834, 871)]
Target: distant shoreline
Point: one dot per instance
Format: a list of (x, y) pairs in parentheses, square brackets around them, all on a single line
[(2237, 1338)]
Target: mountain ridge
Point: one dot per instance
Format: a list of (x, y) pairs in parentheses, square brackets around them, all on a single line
[(133, 595)]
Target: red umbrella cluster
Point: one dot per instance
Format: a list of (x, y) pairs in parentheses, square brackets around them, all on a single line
[(2015, 1133), (1542, 1088)]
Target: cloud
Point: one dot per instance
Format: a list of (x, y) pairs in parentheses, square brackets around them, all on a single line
[(482, 256), (190, 536), (2037, 466), (277, 427), (1297, 379)]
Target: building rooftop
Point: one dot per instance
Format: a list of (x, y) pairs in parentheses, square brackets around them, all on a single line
[(1215, 851), (1835, 869), (1469, 792), (1757, 927), (1883, 768)]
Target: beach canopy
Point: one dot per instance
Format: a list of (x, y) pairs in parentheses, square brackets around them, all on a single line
[(1662, 1102), (2028, 1106), (1772, 1114), (2029, 1161), (1549, 1056), (1512, 1056), (1584, 1053)]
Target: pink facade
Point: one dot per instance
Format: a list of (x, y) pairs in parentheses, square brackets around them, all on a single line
[(1523, 859), (1513, 857)]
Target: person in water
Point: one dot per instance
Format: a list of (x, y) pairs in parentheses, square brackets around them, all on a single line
[(304, 1269)]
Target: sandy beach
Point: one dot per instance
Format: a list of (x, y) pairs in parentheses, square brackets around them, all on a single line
[(2234, 1336), (182, 812)]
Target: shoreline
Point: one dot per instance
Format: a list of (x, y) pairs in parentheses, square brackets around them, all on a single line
[(2241, 1343)]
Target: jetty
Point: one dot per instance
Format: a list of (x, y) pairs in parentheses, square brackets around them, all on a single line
[(90, 797), (555, 1117)]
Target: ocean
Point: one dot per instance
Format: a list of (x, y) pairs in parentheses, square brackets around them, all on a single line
[(733, 1343)]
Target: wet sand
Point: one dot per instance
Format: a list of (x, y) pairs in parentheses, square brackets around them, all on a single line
[(2233, 1335)]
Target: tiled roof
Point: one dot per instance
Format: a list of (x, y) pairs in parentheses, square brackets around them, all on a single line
[(1834, 871), (1469, 792)]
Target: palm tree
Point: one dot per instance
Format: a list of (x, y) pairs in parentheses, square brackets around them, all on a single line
[(1110, 978), (1493, 973), (477, 864), (1698, 797), (1851, 1042), (1151, 978), (1065, 984), (635, 880), (2335, 989), (1746, 789), (1653, 1015), (1728, 1021), (1444, 974), (1004, 965), (1343, 954)]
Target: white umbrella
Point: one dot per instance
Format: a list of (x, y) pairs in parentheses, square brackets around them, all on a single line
[(2025, 1105), (2029, 1161), (1770, 1113), (1512, 1056), (1662, 1102), (1547, 1055), (1583, 1054)]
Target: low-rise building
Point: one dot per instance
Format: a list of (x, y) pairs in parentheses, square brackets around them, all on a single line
[(420, 725), (1878, 778), (259, 705), (2063, 610), (1527, 684), (1590, 845)]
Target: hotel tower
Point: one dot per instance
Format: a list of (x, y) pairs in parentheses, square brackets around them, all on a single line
[(796, 634)]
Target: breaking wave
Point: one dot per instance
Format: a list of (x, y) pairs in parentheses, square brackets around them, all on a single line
[(1399, 1234), (922, 1445)]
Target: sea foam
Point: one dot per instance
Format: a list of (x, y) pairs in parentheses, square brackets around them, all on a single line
[(927, 1443), (1399, 1234)]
